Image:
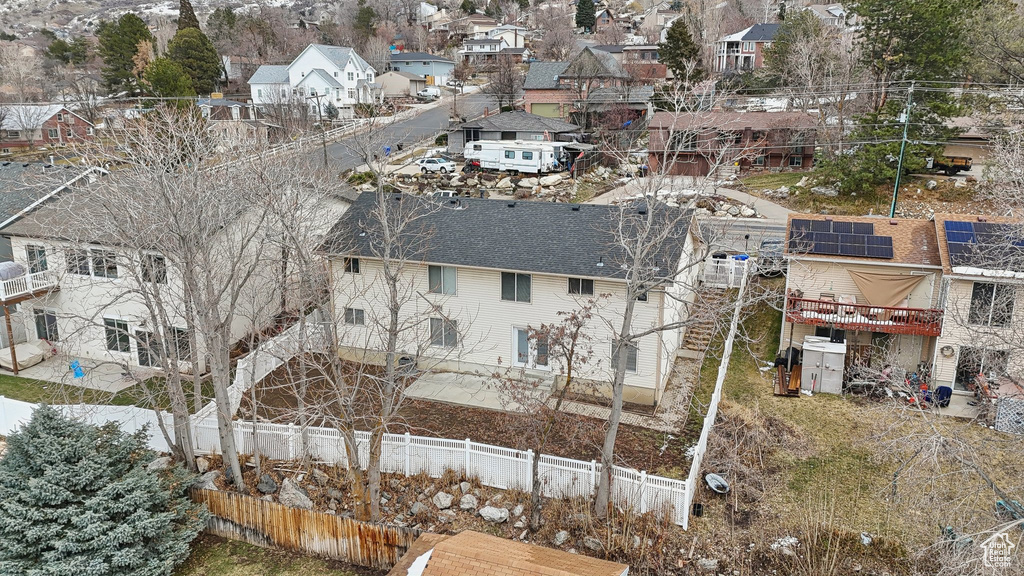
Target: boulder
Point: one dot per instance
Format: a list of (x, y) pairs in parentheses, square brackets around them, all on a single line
[(335, 493), (468, 502), (593, 543), (418, 508), (551, 180), (162, 463), (366, 187), (465, 487), (455, 181), (707, 564), (520, 524), (332, 504), (443, 500), (445, 517), (205, 482), (518, 510), (394, 483), (294, 496), (733, 211), (747, 212), (561, 537), (493, 514), (959, 183), (472, 182), (266, 484), (320, 477), (527, 183), (504, 183), (931, 185), (202, 464), (825, 191), (803, 182), (496, 500)]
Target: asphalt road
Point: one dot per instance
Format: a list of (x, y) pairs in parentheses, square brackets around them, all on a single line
[(740, 234), (427, 124)]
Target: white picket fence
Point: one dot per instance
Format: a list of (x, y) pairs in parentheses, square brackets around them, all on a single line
[(725, 272), (495, 466), (131, 419)]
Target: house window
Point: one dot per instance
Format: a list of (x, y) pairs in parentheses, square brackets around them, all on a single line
[(748, 46), (46, 325), (78, 262), (104, 264), (335, 73), (154, 268), (352, 265), (759, 160), (182, 343), (60, 117), (148, 348), (472, 135), (683, 141), (355, 316), (443, 332), (631, 353), (992, 304), (369, 77), (529, 351), (52, 133), (581, 286), (642, 295), (70, 133), (510, 154), (515, 287), (527, 155), (14, 134), (508, 135), (796, 161), (974, 361), (351, 77), (441, 279), (259, 93), (351, 94), (117, 335), (36, 256)]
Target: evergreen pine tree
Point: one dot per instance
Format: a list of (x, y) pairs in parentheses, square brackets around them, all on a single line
[(680, 53), (165, 78), (194, 52), (586, 15), (78, 499), (119, 42), (186, 16)]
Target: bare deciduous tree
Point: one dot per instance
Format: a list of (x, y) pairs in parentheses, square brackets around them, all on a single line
[(505, 81)]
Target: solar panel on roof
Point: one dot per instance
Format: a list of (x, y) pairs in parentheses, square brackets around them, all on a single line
[(958, 226), (830, 237), (827, 248), (879, 251), (878, 240), (853, 250), (858, 239), (800, 224), (957, 236), (866, 228), (821, 226), (842, 227)]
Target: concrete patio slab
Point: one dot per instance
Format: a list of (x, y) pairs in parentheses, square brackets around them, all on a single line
[(474, 390), (98, 375)]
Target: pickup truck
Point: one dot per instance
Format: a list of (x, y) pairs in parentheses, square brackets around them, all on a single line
[(949, 165)]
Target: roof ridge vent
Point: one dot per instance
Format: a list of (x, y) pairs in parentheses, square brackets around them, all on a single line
[(575, 208), (511, 204)]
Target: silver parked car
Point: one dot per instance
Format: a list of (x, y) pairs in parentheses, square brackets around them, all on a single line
[(442, 165)]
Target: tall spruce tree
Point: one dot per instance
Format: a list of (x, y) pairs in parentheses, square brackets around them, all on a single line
[(78, 499), (194, 52), (680, 53), (186, 16), (586, 15), (119, 42)]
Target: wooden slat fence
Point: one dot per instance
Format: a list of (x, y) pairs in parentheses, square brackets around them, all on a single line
[(269, 524)]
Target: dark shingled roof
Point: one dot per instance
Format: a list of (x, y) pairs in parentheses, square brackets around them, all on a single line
[(761, 33), (544, 75), (538, 237), (22, 184), (520, 121), (419, 57)]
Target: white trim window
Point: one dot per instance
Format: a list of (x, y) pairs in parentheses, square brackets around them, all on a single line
[(117, 335), (441, 279), (631, 358), (36, 257), (581, 286), (352, 265), (444, 333), (46, 325), (355, 317), (992, 304), (529, 351), (516, 287), (104, 263), (154, 268)]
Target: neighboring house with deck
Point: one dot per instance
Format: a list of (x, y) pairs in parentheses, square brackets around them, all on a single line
[(488, 271), (744, 50), (435, 70), (696, 144), (871, 285)]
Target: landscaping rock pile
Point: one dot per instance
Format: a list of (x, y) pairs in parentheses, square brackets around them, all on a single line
[(709, 205)]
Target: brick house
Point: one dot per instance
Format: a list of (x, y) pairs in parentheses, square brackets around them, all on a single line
[(744, 50), (27, 126), (693, 144), (552, 89)]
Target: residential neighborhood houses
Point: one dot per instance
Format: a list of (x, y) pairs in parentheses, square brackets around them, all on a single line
[(575, 287)]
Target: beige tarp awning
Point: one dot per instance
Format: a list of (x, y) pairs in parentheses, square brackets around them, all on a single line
[(884, 289)]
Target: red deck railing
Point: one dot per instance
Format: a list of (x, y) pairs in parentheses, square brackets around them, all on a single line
[(864, 317)]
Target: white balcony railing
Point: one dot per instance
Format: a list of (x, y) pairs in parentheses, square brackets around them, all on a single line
[(27, 284)]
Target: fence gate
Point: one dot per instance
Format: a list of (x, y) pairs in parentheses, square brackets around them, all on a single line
[(725, 272)]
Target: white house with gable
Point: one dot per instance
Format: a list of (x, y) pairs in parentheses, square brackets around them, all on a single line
[(336, 74)]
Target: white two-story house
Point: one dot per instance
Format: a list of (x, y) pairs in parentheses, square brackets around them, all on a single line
[(479, 274), (326, 74)]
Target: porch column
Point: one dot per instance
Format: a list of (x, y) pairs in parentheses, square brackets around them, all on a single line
[(10, 339)]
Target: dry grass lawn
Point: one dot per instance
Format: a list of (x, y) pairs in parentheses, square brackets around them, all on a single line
[(213, 556)]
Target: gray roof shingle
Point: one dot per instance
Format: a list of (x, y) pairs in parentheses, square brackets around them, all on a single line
[(520, 121), (537, 237), (23, 184), (761, 33), (419, 57), (270, 74), (544, 75)]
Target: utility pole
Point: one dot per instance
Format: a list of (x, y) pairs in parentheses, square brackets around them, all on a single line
[(323, 131), (903, 148)]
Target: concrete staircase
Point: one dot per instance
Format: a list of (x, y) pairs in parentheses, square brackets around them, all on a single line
[(707, 312), (727, 172)]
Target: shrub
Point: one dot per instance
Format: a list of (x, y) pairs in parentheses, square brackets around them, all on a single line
[(79, 499)]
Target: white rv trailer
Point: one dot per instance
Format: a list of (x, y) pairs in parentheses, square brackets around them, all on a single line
[(515, 155)]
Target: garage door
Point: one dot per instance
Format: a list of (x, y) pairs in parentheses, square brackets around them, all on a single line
[(546, 110)]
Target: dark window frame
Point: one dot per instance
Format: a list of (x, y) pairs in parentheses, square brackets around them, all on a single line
[(583, 286)]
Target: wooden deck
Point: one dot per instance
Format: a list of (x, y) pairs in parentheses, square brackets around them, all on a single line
[(864, 317)]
